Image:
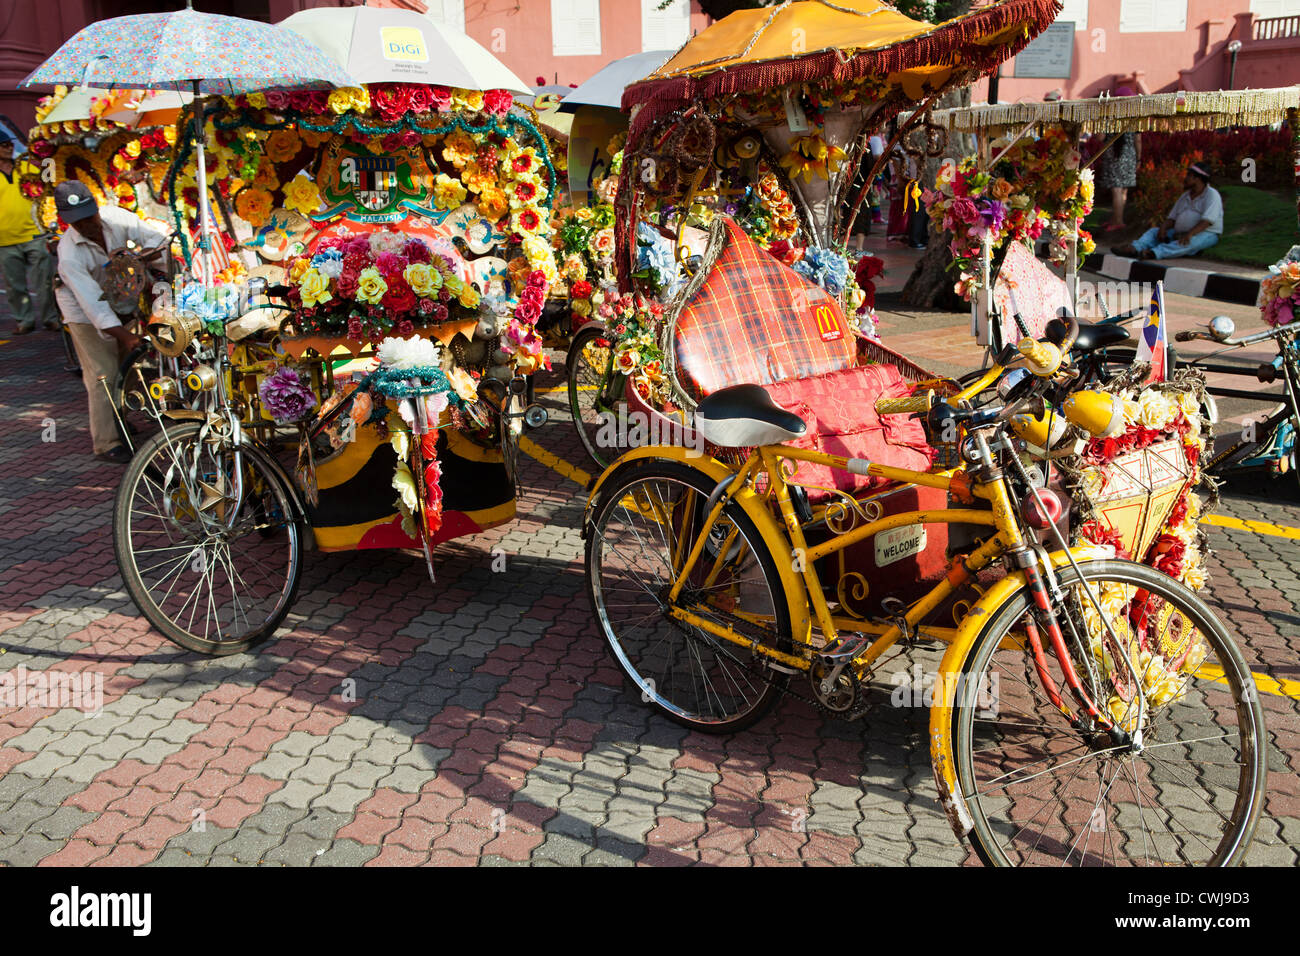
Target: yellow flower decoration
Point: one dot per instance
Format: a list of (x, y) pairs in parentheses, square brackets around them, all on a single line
[(302, 195), (477, 178), (423, 279), (448, 193), (459, 148), (454, 284), (266, 177), (314, 139), (349, 98), (469, 99), (253, 205), (584, 214), (314, 288), (296, 270), (492, 204), (257, 101), (283, 145), (133, 149), (371, 286), (469, 297)]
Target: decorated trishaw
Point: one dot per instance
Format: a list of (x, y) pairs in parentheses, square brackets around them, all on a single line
[(788, 524), (364, 270)]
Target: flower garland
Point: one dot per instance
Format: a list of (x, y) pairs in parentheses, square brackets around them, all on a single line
[(583, 242), (521, 331), (365, 286), (1036, 184), (1152, 414), (635, 325), (1279, 293), (256, 134)]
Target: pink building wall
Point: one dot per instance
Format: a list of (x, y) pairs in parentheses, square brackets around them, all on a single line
[(31, 36), (1195, 59)]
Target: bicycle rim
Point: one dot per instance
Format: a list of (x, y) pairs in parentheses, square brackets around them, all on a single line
[(643, 529), (207, 542), (1042, 793)]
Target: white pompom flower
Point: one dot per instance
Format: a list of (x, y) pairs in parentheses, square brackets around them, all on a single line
[(408, 353)]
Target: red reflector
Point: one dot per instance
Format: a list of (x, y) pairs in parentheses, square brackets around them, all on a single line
[(1041, 518)]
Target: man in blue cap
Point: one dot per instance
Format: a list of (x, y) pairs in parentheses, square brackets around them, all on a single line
[(97, 331), (26, 262)]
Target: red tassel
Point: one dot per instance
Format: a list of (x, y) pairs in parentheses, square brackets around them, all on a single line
[(951, 44)]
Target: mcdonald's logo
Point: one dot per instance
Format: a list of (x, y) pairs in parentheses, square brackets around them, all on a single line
[(828, 327)]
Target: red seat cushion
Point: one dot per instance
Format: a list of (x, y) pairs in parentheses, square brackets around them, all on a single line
[(754, 320), (839, 410)]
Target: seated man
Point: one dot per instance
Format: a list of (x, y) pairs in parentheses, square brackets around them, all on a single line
[(96, 330), (1195, 223)]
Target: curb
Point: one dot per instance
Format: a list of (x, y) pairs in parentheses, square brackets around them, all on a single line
[(1220, 286)]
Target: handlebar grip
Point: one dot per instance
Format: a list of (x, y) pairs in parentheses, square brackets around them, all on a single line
[(1185, 335), (1043, 358), (920, 402)]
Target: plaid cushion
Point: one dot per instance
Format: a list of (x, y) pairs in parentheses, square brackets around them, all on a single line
[(756, 321)]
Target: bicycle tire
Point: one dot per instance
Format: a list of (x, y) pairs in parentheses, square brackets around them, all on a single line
[(698, 680), (1065, 806), (193, 548), (590, 389)]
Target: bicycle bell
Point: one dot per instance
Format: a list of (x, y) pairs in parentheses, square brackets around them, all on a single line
[(1222, 328)]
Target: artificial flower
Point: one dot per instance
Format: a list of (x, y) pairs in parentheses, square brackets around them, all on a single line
[(302, 195), (371, 286)]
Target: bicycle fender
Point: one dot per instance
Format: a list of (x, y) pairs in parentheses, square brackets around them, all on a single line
[(951, 798), (769, 528)]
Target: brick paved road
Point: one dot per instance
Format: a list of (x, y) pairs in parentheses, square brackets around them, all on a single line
[(489, 725)]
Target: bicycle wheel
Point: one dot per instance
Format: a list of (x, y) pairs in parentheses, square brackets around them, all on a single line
[(209, 543), (1043, 792), (644, 523), (595, 393)]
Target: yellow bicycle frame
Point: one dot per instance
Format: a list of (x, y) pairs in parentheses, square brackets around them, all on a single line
[(802, 589)]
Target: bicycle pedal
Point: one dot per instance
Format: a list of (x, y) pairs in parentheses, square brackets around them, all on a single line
[(845, 649)]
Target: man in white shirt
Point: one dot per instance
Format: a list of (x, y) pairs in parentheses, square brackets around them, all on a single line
[(97, 331), (1193, 224)]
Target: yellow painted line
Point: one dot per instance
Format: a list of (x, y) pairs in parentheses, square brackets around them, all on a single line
[(1278, 686), (556, 464), (564, 388), (1258, 527)]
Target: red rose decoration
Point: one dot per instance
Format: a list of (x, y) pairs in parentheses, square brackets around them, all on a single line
[(581, 289), (405, 327), (391, 100), (497, 102), (277, 99), (441, 97), (421, 98), (400, 298)]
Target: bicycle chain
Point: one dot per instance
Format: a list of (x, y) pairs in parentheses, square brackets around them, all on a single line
[(758, 635)]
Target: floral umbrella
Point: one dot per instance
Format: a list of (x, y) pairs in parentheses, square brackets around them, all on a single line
[(189, 51), (861, 59)]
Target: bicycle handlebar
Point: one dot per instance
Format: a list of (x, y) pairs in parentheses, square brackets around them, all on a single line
[(1188, 335), (919, 402)]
